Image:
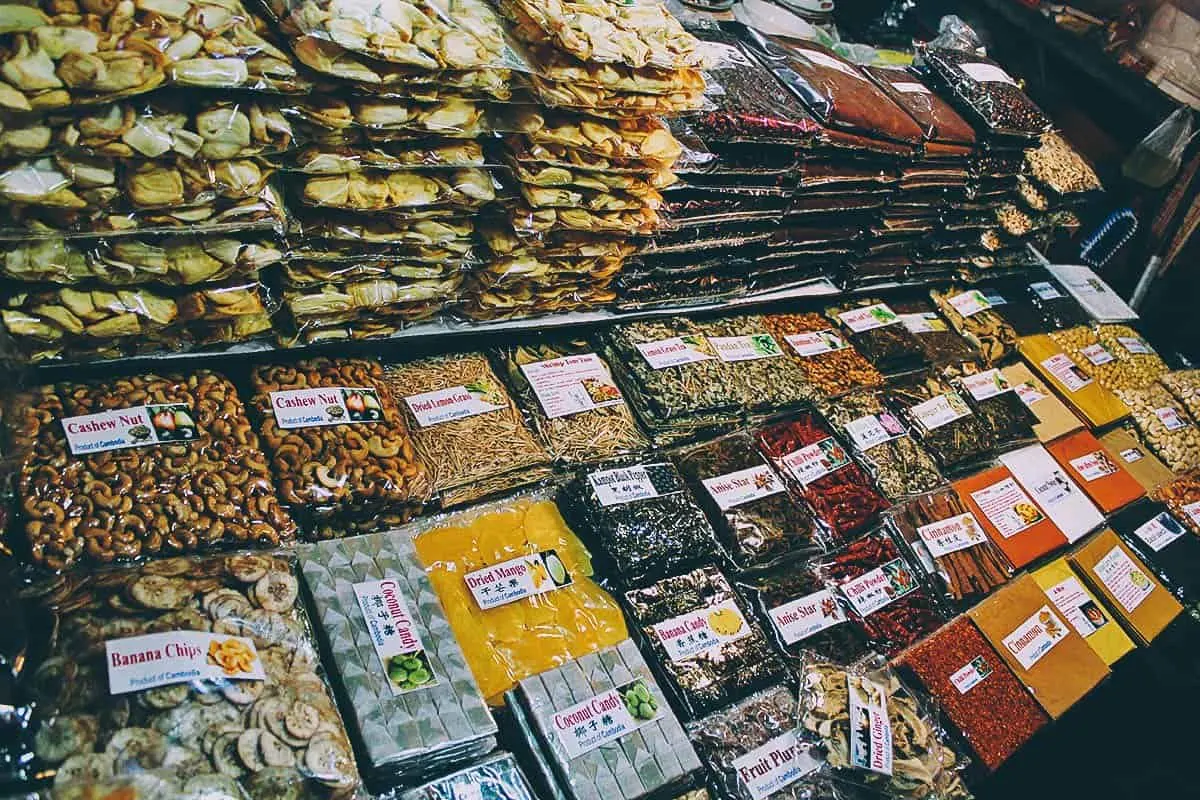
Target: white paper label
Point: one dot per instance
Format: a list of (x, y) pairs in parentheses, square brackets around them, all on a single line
[(1094, 466), (572, 384), (971, 675), (1169, 417), (1066, 372), (1135, 345), (395, 637), (674, 352), (736, 488), (1035, 637), (805, 616), (456, 402), (517, 579), (923, 323), (1132, 454), (815, 343), (870, 728), (1029, 393), (1128, 584), (696, 632), (326, 405), (987, 73), (616, 487), (873, 590), (606, 717), (1096, 354), (986, 384), (832, 62), (1046, 290), (745, 348), (1006, 506), (138, 426), (1070, 598), (815, 461), (970, 302), (873, 430), (911, 88), (868, 317), (1050, 488), (951, 535), (774, 766), (994, 298), (163, 659), (1160, 531), (941, 410)]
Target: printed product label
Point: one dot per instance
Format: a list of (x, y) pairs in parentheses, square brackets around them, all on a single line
[(874, 429), (1050, 488), (1029, 393), (736, 488), (941, 410), (952, 535), (923, 323), (745, 348), (1066, 372), (1132, 454), (517, 579), (1035, 637), (986, 384), (138, 426), (1006, 506), (1160, 531), (994, 298), (457, 402), (162, 659), (1077, 606), (688, 635), (911, 88), (987, 73), (1097, 354), (1193, 511), (605, 717), (333, 405), (971, 675), (815, 343), (970, 302), (805, 616), (1127, 582), (868, 317), (774, 766), (1046, 290), (832, 63), (615, 487), (674, 352), (1135, 345), (875, 589), (1094, 466), (1169, 417), (572, 384), (870, 728), (394, 636), (815, 461)]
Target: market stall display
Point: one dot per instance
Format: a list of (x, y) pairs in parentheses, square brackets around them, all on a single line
[(1164, 425), (1104, 479), (1009, 516), (1087, 398), (1078, 605), (1054, 491), (1055, 419), (1115, 355), (830, 364), (1145, 467), (1182, 495), (941, 420), (1164, 544)]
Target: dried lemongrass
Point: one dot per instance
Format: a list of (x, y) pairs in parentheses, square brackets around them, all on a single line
[(466, 427)]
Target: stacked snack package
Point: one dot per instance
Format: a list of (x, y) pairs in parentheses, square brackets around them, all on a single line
[(590, 163), (389, 185), (139, 222)]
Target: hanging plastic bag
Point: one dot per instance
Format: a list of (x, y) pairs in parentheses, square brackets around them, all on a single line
[(1156, 158)]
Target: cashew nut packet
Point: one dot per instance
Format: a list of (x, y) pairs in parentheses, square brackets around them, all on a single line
[(185, 677), (411, 702)]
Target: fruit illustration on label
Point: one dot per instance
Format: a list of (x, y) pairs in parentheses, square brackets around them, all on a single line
[(484, 392), (231, 655), (164, 421), (139, 432), (725, 622), (558, 572), (354, 402), (537, 573), (183, 420), (409, 670), (335, 412), (1138, 579), (1027, 512), (640, 702)]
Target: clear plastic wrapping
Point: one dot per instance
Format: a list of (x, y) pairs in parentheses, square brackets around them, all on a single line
[(497, 776), (259, 719), (995, 402), (554, 615), (1087, 398), (757, 520), (466, 427), (1164, 425), (350, 156), (879, 334), (899, 466), (645, 141), (637, 749), (709, 652), (939, 122), (412, 704), (1184, 384), (1057, 166), (383, 119), (941, 420), (985, 91), (1164, 544), (338, 443), (204, 482), (971, 314), (374, 190), (941, 344), (769, 379), (1116, 356), (831, 365)]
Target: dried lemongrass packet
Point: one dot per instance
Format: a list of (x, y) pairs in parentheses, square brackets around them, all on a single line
[(575, 404), (466, 427)]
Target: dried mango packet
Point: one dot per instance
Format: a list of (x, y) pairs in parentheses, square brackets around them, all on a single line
[(708, 650), (515, 583)]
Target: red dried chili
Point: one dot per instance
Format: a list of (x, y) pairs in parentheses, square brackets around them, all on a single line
[(819, 466), (882, 592)]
